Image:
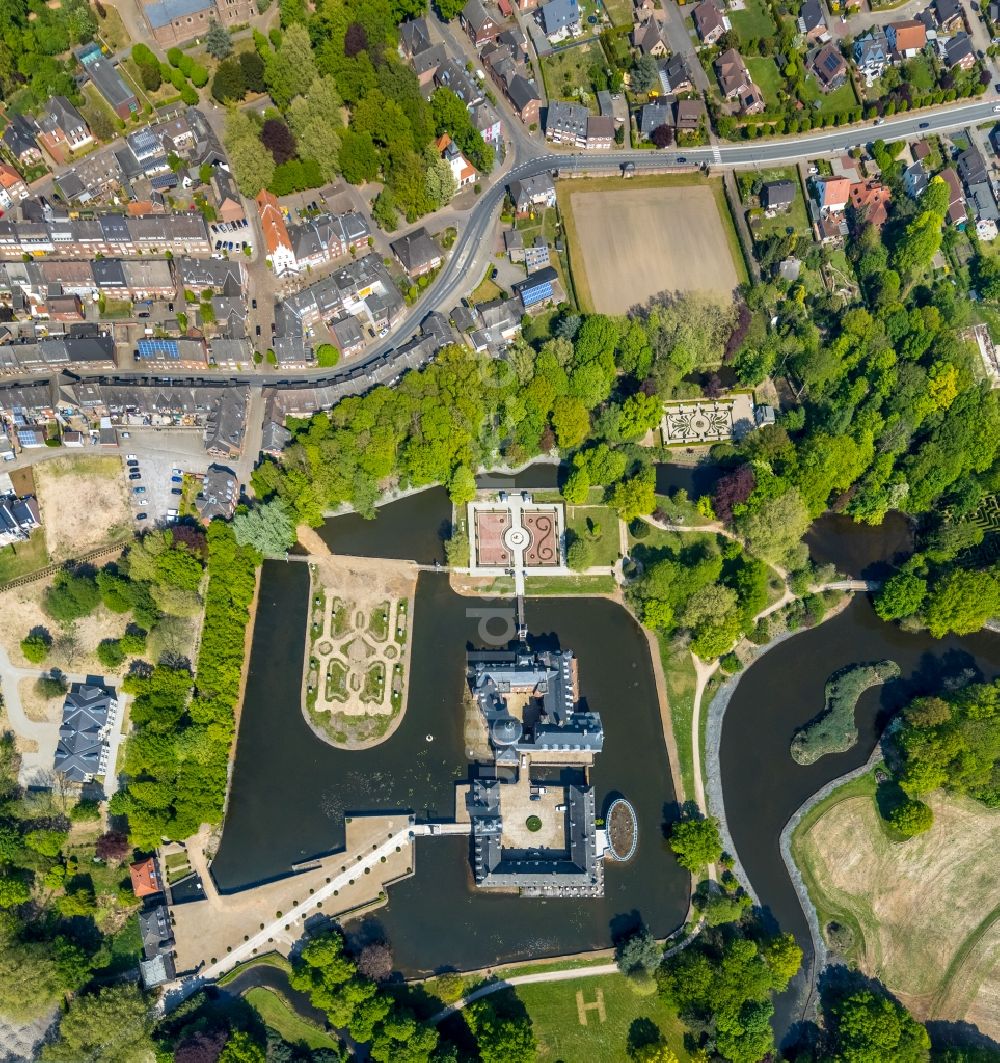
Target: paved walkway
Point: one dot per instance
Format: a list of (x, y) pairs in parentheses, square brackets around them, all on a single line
[(566, 975)]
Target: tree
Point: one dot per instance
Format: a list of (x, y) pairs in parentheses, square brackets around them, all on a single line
[(658, 1052), (71, 596), (870, 1028), (36, 646), (149, 75), (291, 69), (252, 167), (696, 843), (218, 43), (355, 40), (774, 529), (571, 421), (266, 528), (441, 183), (576, 489), (731, 490), (462, 487), (252, 68), (242, 1048), (359, 161), (501, 1038), (580, 554), (375, 961), (278, 139), (112, 847), (911, 818), (384, 210), (228, 83), (449, 9), (662, 136), (32, 977), (901, 595), (635, 496), (645, 74), (110, 1026), (315, 119), (638, 953), (961, 601)]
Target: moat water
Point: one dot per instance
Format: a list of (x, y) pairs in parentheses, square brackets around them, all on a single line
[(291, 791)]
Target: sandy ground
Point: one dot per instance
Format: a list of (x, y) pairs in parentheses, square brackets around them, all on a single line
[(928, 908), (84, 503), (73, 648), (635, 243), (38, 707)]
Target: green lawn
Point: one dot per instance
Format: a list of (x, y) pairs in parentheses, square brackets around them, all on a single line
[(919, 73), (22, 558), (606, 547), (767, 78), (567, 70), (275, 1012), (543, 585), (269, 959), (796, 217), (754, 22), (620, 11), (842, 99), (679, 674), (555, 1012)]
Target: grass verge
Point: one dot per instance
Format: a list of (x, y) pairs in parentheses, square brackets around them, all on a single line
[(557, 585), (20, 559), (277, 1013), (681, 680)]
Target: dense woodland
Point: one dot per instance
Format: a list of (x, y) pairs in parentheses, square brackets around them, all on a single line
[(345, 104)]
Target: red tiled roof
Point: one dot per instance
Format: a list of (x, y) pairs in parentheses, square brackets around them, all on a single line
[(145, 878)]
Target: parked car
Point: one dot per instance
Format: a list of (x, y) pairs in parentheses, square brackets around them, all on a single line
[(131, 457), (138, 490), (925, 125), (135, 475), (171, 512), (176, 472), (132, 463), (253, 304), (176, 491), (143, 502), (177, 479), (258, 330), (142, 516)]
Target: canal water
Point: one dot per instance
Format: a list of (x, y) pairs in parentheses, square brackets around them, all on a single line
[(291, 791)]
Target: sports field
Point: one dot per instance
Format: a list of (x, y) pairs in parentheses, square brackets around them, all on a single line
[(922, 915), (631, 241)]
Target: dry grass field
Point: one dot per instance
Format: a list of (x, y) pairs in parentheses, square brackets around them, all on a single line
[(924, 913), (84, 504), (631, 241)]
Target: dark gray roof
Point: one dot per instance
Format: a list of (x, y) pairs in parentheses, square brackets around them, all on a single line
[(566, 118), (414, 35), (20, 134), (83, 731), (777, 194), (521, 91), (155, 930), (347, 332), (653, 115), (416, 250), (811, 14), (958, 48), (110, 84)]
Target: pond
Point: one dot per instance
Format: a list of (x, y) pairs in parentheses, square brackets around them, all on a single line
[(860, 550), (290, 791), (762, 786)]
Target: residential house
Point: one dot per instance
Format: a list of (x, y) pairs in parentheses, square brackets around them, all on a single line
[(915, 180), (513, 244), (812, 21), (219, 494), (957, 52), (477, 23), (62, 129), (777, 195), (462, 170), (566, 123), (414, 37), (427, 63), (978, 187), (788, 270), (64, 308), (501, 320), (229, 204), (600, 133), (19, 139), (187, 352), (832, 193), (538, 289), (690, 115), (487, 121), (560, 19), (907, 38), (277, 243), (108, 82), (89, 713), (452, 75), (709, 21), (736, 84), (326, 237), (644, 8), (871, 52), (147, 278), (532, 192), (275, 438), (347, 335), (175, 21), (654, 115), (508, 71), (948, 14), (647, 37), (19, 517), (417, 253), (12, 187), (536, 256), (674, 75), (145, 877), (830, 67), (157, 940), (92, 177), (222, 277), (870, 202)]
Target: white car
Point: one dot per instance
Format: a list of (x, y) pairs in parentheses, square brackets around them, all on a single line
[(142, 502), (131, 457)]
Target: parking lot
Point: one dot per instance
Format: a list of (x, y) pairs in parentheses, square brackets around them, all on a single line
[(231, 237), (158, 453)]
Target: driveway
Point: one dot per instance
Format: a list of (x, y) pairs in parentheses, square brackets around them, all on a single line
[(682, 43)]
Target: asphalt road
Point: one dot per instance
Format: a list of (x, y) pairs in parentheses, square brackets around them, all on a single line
[(473, 248)]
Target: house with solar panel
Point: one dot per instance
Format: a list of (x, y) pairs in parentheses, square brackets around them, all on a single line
[(533, 808), (539, 289), (182, 353)]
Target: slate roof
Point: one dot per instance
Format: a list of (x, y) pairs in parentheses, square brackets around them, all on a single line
[(163, 12), (82, 733), (416, 250)]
